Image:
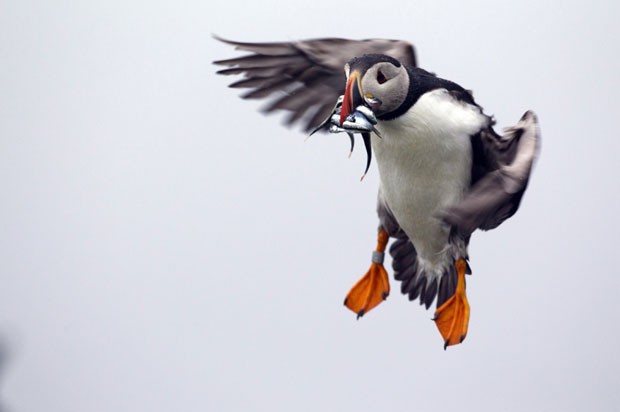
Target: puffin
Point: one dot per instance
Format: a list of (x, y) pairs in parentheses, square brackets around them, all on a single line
[(444, 171)]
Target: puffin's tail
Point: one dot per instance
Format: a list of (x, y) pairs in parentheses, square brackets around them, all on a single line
[(415, 279)]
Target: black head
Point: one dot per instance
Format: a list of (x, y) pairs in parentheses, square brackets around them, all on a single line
[(388, 87), (376, 80)]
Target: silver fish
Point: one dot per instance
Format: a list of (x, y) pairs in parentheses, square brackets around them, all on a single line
[(362, 121)]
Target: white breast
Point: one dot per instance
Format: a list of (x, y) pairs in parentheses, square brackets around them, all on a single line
[(424, 161)]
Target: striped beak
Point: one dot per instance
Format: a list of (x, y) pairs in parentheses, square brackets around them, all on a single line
[(352, 95)]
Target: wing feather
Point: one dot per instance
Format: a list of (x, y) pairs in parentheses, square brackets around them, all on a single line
[(495, 195), (309, 72)]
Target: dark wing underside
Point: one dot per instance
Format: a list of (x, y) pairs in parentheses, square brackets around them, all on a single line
[(303, 77), (501, 171)]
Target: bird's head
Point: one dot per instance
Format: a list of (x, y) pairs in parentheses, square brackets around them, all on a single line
[(376, 80)]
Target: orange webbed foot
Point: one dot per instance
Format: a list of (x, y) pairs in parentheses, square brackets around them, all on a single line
[(452, 318), (374, 287)]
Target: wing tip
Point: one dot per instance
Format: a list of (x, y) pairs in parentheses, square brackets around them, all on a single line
[(529, 116), (223, 40)]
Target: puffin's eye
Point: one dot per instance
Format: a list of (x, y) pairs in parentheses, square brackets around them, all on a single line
[(381, 77)]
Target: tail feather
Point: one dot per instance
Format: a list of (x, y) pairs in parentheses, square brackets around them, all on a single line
[(416, 282)]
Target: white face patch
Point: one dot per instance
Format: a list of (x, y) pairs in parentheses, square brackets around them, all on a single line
[(387, 84)]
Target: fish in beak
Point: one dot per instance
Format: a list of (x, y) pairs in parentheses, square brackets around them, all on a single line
[(352, 99), (355, 116)]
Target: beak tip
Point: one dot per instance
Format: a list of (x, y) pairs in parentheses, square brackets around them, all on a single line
[(349, 95)]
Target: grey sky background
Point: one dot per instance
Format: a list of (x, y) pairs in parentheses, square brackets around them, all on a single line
[(163, 246)]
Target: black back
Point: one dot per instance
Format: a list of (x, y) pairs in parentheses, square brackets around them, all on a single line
[(420, 82)]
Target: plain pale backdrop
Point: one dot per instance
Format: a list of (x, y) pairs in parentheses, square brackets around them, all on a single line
[(163, 246)]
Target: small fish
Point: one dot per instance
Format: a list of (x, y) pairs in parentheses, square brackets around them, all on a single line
[(330, 119), (362, 121), (357, 122)]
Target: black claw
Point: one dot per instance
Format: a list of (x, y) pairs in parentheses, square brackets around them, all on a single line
[(384, 295), (462, 339), (345, 301), (360, 314), (445, 344)]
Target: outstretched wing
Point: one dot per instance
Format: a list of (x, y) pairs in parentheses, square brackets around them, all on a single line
[(304, 77), (502, 167)]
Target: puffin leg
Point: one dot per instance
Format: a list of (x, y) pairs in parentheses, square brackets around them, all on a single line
[(374, 287), (452, 318)]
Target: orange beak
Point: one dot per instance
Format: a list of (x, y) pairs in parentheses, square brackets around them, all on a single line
[(352, 96)]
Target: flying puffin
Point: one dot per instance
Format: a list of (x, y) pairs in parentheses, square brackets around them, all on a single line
[(444, 172)]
